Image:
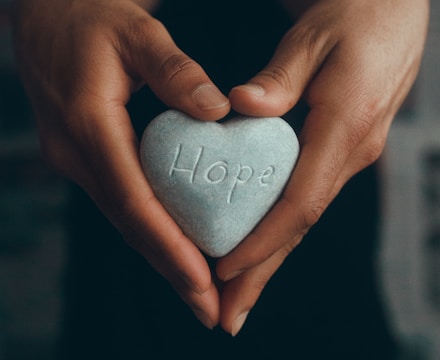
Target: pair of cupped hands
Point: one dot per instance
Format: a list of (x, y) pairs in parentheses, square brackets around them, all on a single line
[(353, 62)]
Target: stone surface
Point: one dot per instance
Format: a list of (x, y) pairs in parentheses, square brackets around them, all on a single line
[(217, 180)]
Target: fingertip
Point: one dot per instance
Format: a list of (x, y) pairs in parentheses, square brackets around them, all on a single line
[(205, 319), (238, 323), (259, 99), (208, 103), (206, 306), (236, 303), (254, 90), (246, 99), (208, 97)]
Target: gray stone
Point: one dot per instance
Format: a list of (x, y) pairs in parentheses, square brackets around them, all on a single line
[(217, 180)]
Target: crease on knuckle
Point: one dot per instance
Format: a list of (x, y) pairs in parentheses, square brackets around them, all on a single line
[(289, 246), (307, 215), (279, 75), (260, 283), (311, 212), (175, 65)]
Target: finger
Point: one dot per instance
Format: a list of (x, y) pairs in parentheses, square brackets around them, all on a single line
[(105, 162), (241, 293), (89, 138), (150, 230), (277, 88), (149, 51), (343, 113), (305, 198)]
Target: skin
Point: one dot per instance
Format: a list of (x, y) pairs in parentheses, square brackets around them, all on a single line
[(352, 61)]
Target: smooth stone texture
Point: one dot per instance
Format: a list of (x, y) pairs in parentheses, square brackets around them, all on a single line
[(217, 181)]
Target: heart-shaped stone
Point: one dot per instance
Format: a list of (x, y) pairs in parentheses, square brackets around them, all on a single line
[(217, 180)]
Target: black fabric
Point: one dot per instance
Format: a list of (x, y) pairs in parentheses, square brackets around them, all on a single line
[(323, 303)]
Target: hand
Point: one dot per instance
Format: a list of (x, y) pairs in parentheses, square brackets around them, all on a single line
[(353, 62), (80, 62)]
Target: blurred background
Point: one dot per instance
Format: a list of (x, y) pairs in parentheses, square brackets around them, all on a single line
[(33, 203), (32, 238)]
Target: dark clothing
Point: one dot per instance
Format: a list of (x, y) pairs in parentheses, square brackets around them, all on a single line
[(323, 303)]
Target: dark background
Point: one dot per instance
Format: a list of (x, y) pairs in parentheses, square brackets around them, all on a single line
[(33, 208)]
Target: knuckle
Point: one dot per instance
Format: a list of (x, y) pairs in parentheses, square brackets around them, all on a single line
[(291, 245), (260, 281), (279, 75), (368, 112), (175, 65), (314, 41), (140, 27), (260, 284), (287, 93), (312, 212), (308, 215), (374, 150), (284, 251)]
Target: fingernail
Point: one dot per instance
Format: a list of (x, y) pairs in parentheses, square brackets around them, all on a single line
[(238, 323), (208, 97), (204, 319), (254, 89)]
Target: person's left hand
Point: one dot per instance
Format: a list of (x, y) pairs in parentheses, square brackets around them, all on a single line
[(354, 63)]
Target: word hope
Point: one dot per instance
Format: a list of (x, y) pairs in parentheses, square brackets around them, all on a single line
[(219, 172)]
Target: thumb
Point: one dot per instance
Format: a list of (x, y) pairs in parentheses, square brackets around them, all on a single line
[(278, 87), (174, 77)]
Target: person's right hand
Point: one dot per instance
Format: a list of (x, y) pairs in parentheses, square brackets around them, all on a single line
[(80, 62)]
